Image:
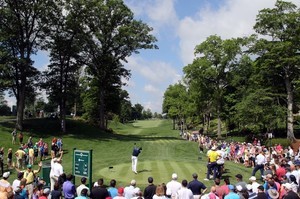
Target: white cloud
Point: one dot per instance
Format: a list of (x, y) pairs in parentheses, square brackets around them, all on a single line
[(156, 72), (151, 89), (233, 19)]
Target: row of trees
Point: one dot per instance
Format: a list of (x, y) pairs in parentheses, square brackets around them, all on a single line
[(247, 82), (88, 42)]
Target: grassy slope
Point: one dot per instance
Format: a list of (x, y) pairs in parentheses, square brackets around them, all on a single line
[(163, 150)]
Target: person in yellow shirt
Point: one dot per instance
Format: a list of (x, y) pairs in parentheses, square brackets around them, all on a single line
[(20, 153), (30, 175), (31, 155), (212, 156)]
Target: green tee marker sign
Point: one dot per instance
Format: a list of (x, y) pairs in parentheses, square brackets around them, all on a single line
[(82, 163)]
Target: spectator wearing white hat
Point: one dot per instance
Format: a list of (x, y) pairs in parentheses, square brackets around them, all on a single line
[(45, 193), (173, 186), (6, 190), (251, 194), (254, 184), (131, 190), (290, 194)]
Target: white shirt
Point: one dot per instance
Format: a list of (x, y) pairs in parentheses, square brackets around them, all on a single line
[(131, 191), (255, 186), (260, 159), (52, 168), (184, 193), (57, 169), (172, 188), (15, 184), (80, 188)]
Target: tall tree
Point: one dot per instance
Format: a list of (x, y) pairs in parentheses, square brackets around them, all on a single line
[(22, 28), (278, 52), (175, 102), (62, 77), (211, 68), (113, 35)]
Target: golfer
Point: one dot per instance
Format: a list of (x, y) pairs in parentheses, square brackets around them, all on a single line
[(134, 158)]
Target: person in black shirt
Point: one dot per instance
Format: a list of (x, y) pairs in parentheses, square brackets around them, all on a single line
[(150, 189), (196, 186), (134, 158)]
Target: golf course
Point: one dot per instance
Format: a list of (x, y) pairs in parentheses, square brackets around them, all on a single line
[(164, 151)]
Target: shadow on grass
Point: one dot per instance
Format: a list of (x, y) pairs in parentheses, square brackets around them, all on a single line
[(48, 128)]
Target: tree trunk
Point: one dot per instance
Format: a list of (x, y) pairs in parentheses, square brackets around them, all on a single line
[(101, 110), (290, 117), (20, 107), (174, 123), (219, 125), (63, 116)]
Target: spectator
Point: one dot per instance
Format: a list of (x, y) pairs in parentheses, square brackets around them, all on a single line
[(131, 190), (6, 190), (83, 194), (260, 161), (99, 191), (251, 194), (240, 182), (56, 192), (254, 184), (184, 192), (45, 194), (231, 194), (14, 136), (82, 186), (69, 188), (173, 186), (112, 190), (220, 191), (120, 193), (290, 194), (196, 186), (159, 193), (212, 156), (150, 189), (16, 182), (30, 176), (261, 193)]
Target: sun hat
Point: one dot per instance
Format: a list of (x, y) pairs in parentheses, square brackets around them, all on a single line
[(273, 193), (287, 185)]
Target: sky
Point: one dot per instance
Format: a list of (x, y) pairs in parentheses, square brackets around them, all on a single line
[(178, 25)]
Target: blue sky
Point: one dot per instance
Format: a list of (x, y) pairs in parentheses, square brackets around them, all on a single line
[(179, 25)]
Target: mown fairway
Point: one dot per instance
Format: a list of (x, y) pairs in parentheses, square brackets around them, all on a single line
[(164, 152)]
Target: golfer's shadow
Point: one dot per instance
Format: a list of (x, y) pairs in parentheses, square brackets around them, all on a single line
[(144, 171)]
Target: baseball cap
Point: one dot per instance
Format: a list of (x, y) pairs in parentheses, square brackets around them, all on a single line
[(231, 187), (29, 166), (120, 190), (46, 191), (6, 174), (174, 176), (252, 178), (133, 182)]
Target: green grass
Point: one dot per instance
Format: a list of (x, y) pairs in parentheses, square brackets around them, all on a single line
[(164, 152)]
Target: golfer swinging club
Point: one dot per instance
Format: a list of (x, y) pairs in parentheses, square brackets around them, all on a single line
[(136, 151)]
